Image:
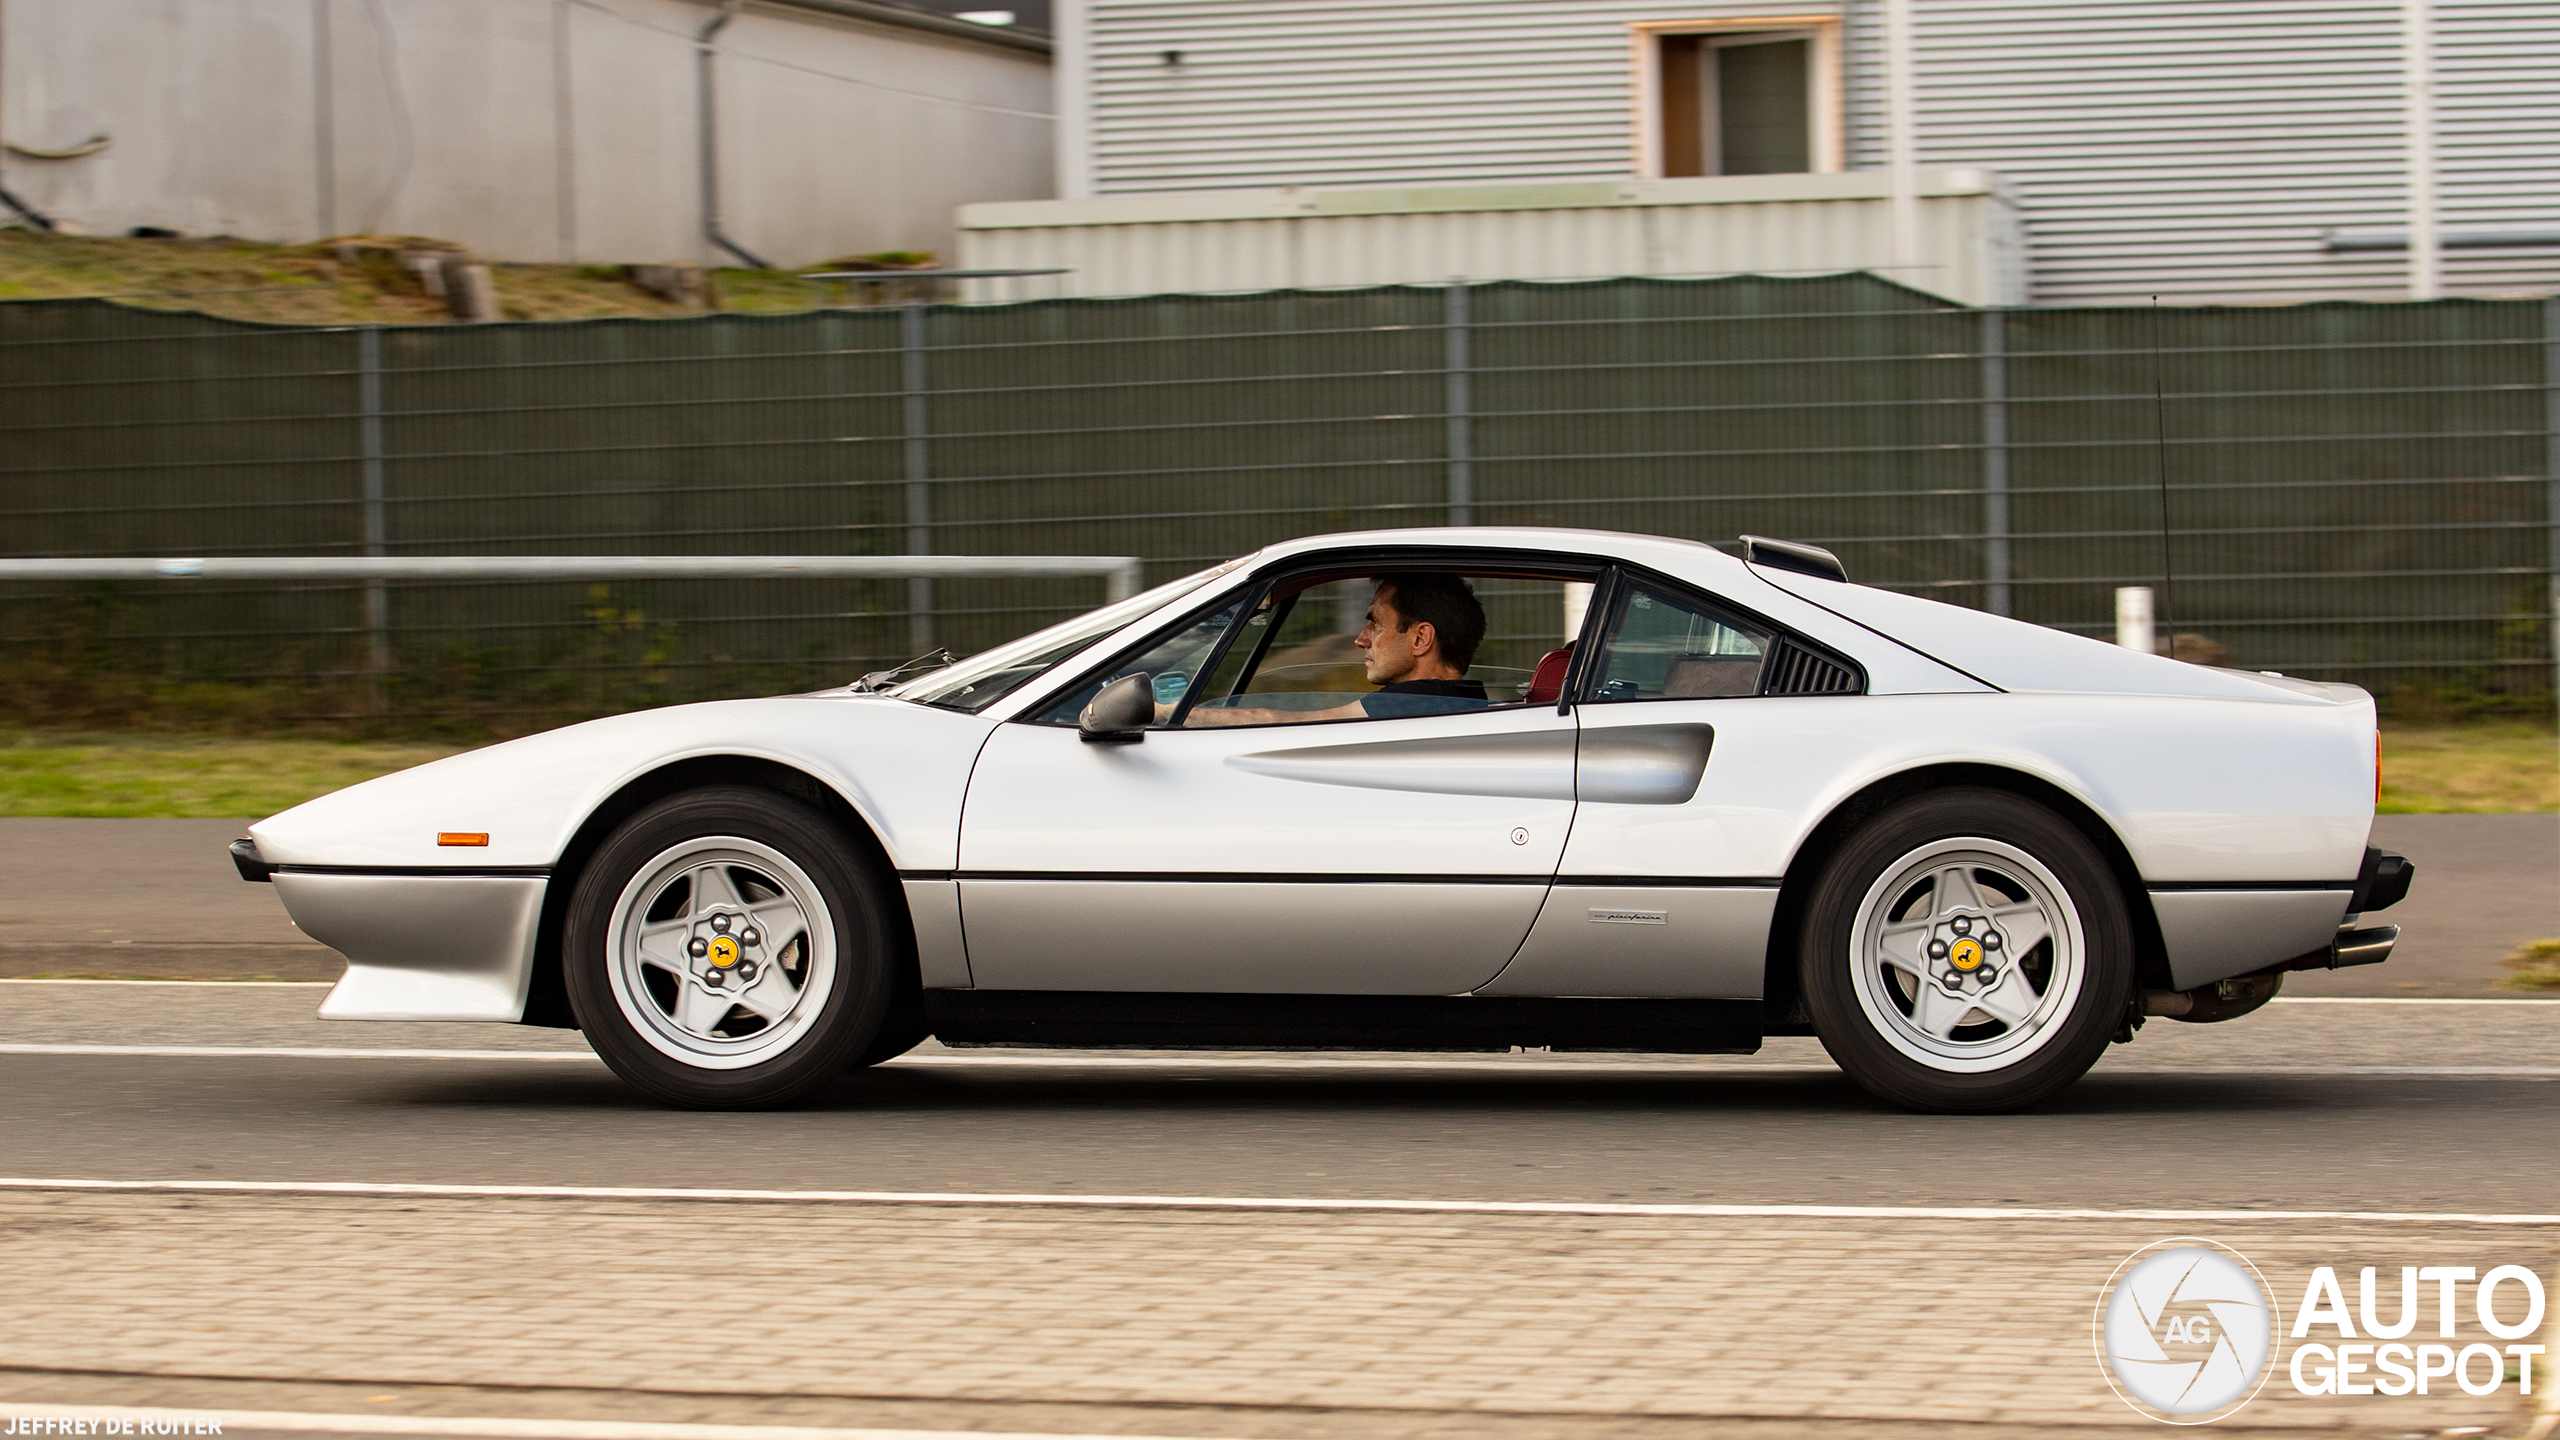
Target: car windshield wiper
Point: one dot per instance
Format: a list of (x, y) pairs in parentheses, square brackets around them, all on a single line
[(879, 680)]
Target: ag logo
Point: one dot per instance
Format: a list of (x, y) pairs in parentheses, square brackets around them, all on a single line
[(2185, 1331)]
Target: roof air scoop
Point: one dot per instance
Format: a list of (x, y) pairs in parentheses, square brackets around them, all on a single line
[(1788, 555)]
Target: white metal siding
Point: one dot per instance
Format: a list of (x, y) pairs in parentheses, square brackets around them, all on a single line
[(2194, 149), (1355, 92), (2203, 151)]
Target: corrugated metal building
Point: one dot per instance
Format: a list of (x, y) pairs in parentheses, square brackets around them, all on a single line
[(2244, 150), (554, 130)]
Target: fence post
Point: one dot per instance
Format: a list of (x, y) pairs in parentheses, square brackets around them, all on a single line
[(377, 525), (919, 475), (1995, 459), (1462, 480)]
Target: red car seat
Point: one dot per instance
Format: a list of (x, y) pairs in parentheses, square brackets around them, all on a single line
[(1546, 684)]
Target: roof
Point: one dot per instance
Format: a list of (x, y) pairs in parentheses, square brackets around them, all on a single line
[(1030, 30)]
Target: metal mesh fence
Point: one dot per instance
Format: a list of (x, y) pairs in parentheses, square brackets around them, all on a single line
[(2351, 491)]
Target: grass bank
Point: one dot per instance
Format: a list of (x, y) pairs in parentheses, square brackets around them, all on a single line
[(179, 777), (311, 285), (2489, 768)]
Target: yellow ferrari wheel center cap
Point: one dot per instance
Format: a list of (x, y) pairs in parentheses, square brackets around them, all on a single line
[(724, 952), (1966, 955)]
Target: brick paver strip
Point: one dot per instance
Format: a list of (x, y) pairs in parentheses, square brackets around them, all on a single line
[(1891, 1319)]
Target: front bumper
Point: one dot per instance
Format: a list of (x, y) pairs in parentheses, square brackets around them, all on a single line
[(421, 946)]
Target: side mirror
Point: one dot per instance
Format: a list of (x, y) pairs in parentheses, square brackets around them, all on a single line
[(1120, 713)]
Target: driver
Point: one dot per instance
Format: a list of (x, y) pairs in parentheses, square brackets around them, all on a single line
[(1422, 635)]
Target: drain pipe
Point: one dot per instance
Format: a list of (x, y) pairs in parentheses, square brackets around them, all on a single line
[(707, 54)]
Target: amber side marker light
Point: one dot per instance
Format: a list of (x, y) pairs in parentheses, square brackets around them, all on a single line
[(462, 837)]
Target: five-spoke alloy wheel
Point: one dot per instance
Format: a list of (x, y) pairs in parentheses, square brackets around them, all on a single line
[(1967, 950), (726, 949)]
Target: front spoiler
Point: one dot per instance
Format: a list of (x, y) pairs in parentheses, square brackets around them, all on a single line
[(421, 947)]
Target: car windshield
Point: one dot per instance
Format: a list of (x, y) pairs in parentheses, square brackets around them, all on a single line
[(983, 679)]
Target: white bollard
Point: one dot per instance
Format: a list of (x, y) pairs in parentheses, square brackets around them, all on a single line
[(1577, 599), (2133, 619)]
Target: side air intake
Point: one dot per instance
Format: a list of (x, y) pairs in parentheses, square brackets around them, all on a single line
[(1795, 670)]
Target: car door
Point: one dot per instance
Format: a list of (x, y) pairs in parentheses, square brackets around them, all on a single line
[(1670, 881), (1404, 855)]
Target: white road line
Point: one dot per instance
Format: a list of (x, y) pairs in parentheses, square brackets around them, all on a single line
[(2402, 1000), (2510, 1072), (189, 984), (1256, 1202), (296, 1052), (1077, 1060), (1677, 1065), (241, 1421), (1249, 1061)]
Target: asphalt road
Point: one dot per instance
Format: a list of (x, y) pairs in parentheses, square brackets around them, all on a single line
[(2314, 1103), (2363, 1105)]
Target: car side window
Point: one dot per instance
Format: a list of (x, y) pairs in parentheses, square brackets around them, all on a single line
[(1300, 650), (1174, 662), (1665, 647)]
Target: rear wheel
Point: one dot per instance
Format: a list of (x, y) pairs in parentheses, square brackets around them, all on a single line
[(1967, 951), (727, 950)]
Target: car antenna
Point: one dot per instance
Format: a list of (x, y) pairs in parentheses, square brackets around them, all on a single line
[(2160, 462), (879, 680)]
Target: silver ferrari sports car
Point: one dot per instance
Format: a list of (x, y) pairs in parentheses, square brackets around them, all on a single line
[(1417, 790)]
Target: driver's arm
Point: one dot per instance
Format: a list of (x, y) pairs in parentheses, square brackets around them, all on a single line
[(1208, 715)]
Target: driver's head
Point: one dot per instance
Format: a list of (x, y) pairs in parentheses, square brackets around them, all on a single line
[(1421, 627)]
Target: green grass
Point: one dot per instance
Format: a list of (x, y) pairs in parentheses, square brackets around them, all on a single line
[(2489, 768), (2537, 966), (184, 777)]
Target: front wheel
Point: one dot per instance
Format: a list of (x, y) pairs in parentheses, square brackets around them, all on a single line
[(1967, 951), (727, 950)]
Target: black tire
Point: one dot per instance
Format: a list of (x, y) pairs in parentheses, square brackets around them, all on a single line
[(637, 1028), (1985, 1065)]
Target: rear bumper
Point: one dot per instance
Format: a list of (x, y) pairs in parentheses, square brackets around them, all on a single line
[(2383, 881), (2216, 934)]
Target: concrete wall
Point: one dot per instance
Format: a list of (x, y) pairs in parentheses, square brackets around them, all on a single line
[(559, 130)]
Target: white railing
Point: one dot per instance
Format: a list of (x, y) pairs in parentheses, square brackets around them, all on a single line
[(1120, 573)]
